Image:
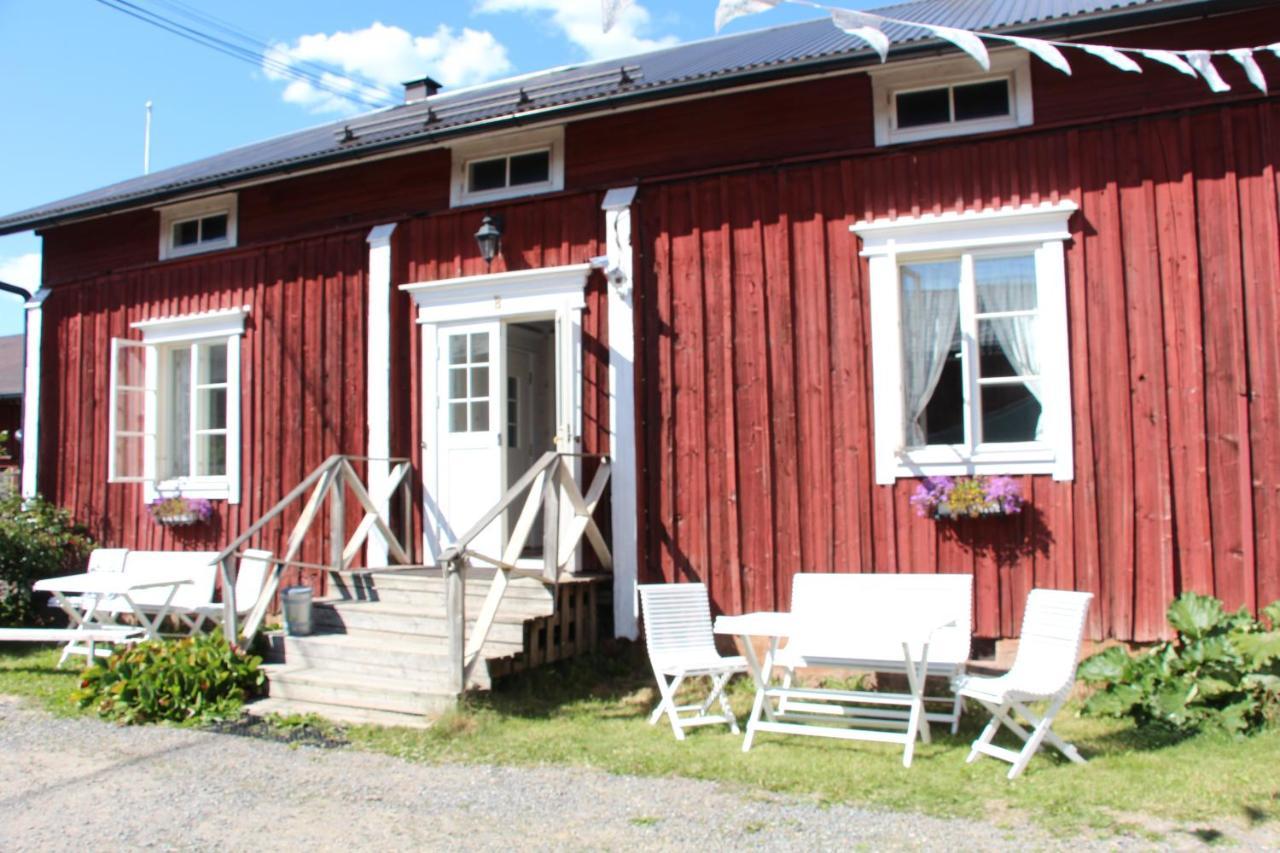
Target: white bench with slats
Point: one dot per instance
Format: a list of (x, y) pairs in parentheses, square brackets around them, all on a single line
[(882, 623)]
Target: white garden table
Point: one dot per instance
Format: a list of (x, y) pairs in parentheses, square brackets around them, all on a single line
[(847, 714), (94, 589)]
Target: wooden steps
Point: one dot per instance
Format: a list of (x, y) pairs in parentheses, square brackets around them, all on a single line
[(378, 653)]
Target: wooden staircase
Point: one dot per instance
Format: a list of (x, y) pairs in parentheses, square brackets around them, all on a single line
[(401, 645), (379, 648)]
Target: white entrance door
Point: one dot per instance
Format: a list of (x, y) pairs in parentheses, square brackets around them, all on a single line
[(471, 463)]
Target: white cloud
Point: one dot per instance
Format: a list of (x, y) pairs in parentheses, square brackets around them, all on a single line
[(580, 22), (22, 270), (388, 56)]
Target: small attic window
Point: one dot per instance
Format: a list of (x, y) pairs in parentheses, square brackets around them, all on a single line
[(508, 166), (203, 229), (516, 170), (949, 104), (946, 98), (206, 225)]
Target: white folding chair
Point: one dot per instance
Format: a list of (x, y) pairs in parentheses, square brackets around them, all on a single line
[(1044, 669), (100, 560), (677, 625), (251, 575)]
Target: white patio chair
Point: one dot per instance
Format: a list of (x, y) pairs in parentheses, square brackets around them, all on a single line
[(677, 625), (1044, 669), (100, 560), (251, 575)]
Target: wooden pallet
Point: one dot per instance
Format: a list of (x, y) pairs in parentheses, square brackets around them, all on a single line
[(573, 629)]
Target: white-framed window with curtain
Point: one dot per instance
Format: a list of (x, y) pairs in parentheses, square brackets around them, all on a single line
[(174, 420), (970, 359)]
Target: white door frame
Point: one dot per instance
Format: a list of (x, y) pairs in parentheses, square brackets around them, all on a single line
[(555, 293)]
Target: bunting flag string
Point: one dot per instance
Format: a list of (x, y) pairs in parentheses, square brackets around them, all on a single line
[(868, 27)]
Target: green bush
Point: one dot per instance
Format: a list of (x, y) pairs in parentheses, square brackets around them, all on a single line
[(195, 680), (37, 540), (1221, 671)]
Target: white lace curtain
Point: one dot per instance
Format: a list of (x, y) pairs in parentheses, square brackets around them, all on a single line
[(930, 322)]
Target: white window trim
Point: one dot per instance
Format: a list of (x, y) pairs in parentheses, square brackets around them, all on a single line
[(887, 83), (198, 209), (212, 326), (1040, 229), (507, 145)]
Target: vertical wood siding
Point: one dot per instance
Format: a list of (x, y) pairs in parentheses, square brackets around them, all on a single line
[(302, 381), (755, 391)]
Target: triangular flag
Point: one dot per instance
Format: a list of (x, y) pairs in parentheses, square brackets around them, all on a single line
[(1170, 59), (865, 27), (1201, 61), (609, 11), (1244, 56), (963, 39), (730, 9), (1044, 50), (1111, 55)]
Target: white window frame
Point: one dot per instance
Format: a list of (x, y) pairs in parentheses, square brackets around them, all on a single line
[(887, 83), (1039, 230), (158, 336), (549, 139), (173, 214)]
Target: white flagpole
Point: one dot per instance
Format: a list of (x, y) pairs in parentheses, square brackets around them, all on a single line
[(146, 143)]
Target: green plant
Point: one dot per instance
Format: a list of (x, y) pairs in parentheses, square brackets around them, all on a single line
[(1221, 671), (197, 679), (37, 540)]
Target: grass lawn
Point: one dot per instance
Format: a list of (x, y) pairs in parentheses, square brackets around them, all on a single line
[(591, 713)]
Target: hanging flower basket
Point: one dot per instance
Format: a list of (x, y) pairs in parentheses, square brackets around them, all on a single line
[(180, 511), (967, 497)]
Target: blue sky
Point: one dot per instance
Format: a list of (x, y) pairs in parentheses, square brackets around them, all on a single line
[(77, 74)]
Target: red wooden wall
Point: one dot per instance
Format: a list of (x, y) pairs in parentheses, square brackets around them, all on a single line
[(302, 380), (755, 374)]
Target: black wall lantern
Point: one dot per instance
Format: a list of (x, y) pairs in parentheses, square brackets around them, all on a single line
[(489, 238)]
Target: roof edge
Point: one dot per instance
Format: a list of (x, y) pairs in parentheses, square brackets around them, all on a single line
[(1063, 28)]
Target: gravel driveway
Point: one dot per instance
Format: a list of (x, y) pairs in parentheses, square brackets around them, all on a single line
[(83, 784)]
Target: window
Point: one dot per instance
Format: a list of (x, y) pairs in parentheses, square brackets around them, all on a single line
[(198, 226), (517, 170), (513, 411), (468, 390), (947, 98), (174, 421), (969, 343), (508, 166)]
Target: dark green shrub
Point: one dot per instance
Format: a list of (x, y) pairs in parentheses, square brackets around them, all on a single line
[(196, 679), (37, 540), (1221, 671)]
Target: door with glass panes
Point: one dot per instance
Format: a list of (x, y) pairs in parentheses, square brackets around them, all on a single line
[(471, 465)]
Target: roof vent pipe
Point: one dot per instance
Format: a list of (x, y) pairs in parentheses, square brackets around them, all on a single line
[(420, 90)]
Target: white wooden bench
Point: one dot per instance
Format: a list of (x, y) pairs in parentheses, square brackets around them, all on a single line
[(918, 625), (186, 602)]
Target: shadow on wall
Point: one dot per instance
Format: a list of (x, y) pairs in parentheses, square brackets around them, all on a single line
[(1007, 539)]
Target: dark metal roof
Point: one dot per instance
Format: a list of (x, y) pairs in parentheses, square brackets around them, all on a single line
[(717, 62)]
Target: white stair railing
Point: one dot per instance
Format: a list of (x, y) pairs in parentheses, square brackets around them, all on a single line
[(549, 486), (332, 480)]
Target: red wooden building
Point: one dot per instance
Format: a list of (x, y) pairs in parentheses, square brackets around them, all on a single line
[(776, 280)]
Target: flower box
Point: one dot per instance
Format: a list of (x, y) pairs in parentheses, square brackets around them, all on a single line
[(967, 497), (180, 511)]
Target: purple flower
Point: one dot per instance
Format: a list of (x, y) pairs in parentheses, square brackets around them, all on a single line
[(929, 493), (1003, 492)]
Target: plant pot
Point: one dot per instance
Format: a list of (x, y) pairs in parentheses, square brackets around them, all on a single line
[(186, 519)]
